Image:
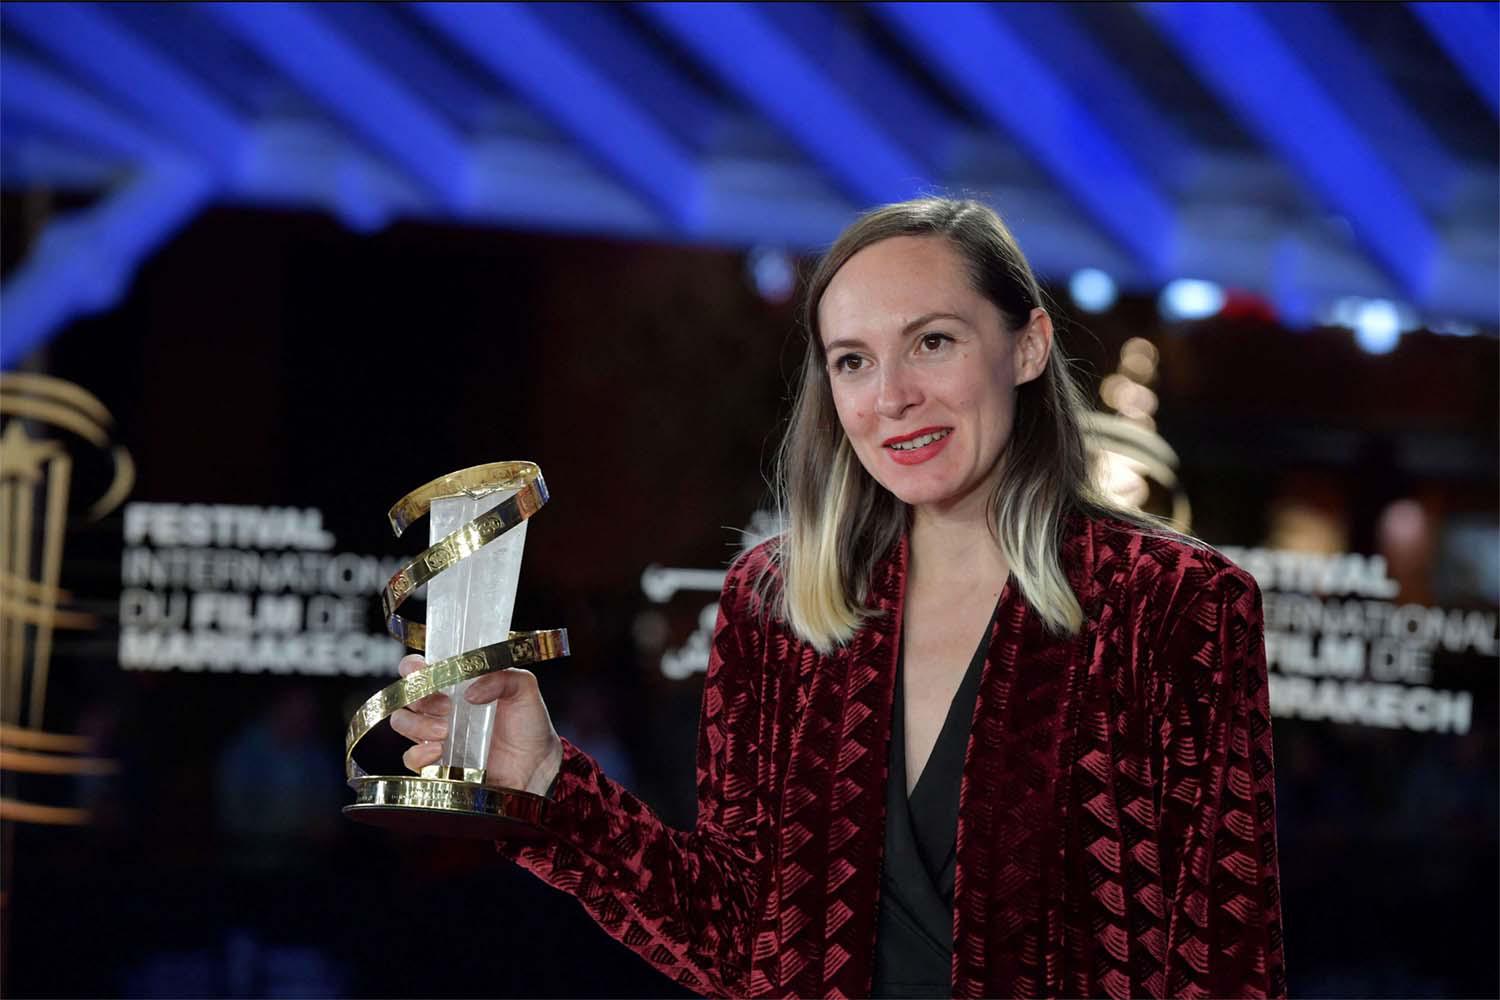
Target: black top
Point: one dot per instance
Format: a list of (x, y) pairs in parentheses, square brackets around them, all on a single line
[(914, 927)]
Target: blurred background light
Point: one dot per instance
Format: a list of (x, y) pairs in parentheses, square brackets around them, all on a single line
[(1127, 397), (1190, 298), (1453, 328), (1344, 312), (1092, 290), (1138, 357), (773, 273), (1377, 326)]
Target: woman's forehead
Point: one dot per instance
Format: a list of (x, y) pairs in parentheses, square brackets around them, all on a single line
[(891, 284)]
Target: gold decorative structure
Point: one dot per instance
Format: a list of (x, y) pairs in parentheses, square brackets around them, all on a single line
[(1128, 454), (36, 473)]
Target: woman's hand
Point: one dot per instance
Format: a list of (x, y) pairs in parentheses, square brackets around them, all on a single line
[(525, 751)]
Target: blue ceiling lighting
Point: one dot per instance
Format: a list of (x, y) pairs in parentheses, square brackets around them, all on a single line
[(740, 45), (84, 261), (518, 47), (86, 39), (356, 90), (433, 74), (611, 41), (1470, 34), (1335, 59), (925, 130), (1154, 142), (744, 126), (1247, 65), (979, 55), (49, 101)]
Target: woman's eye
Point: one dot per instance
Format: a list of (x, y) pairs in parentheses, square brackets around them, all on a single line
[(848, 363), (934, 341)]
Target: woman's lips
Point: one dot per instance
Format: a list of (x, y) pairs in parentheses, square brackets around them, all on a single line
[(916, 456)]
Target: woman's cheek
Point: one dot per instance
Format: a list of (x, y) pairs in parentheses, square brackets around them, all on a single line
[(852, 410)]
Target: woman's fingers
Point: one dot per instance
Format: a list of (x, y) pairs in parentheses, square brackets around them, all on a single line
[(434, 704), (418, 727), (514, 684), (420, 755), (505, 685), (424, 721)]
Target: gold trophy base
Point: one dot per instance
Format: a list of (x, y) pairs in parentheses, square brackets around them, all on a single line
[(441, 807)]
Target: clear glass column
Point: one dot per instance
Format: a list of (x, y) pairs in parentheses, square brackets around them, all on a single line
[(470, 605)]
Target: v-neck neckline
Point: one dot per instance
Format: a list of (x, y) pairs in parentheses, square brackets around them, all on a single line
[(960, 710), (929, 815)]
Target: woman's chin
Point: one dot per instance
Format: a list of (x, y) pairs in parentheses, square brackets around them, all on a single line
[(916, 494), (943, 497)]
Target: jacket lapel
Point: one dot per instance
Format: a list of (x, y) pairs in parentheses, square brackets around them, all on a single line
[(1008, 886), (833, 809)]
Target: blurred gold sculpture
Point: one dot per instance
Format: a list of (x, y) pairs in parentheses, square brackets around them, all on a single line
[(36, 477), (1132, 462)]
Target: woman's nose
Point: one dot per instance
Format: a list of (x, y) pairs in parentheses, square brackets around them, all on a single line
[(898, 392)]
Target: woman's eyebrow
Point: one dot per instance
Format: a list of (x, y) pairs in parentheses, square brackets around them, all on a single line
[(842, 343), (923, 320), (906, 331)]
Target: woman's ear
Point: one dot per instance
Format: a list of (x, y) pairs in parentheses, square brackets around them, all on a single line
[(1033, 346)]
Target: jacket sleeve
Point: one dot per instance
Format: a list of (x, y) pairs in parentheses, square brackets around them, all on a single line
[(1218, 811), (684, 900)]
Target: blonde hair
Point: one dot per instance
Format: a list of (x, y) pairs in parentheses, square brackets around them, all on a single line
[(840, 522)]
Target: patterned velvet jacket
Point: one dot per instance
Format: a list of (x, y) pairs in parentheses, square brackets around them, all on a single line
[(1116, 832)]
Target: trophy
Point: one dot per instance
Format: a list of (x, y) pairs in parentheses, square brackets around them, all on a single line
[(471, 570)]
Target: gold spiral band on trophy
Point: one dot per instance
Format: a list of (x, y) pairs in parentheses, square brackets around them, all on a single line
[(531, 494), (448, 805), (520, 650)]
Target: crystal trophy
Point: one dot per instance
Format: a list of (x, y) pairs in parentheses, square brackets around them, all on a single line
[(471, 570)]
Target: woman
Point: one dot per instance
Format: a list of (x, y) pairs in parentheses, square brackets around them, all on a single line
[(967, 727)]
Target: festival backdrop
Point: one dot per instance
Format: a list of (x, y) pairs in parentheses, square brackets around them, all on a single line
[(278, 382)]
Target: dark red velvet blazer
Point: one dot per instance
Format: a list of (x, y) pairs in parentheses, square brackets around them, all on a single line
[(1116, 832)]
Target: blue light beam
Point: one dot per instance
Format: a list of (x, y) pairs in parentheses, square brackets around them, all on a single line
[(1154, 143), (32, 91), (608, 39), (1350, 77), (84, 262), (1243, 61), (1470, 35), (924, 129), (977, 54), (358, 90), (739, 45), (90, 43), (541, 65)]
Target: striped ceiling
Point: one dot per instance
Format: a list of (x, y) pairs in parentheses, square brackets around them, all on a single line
[(1303, 152)]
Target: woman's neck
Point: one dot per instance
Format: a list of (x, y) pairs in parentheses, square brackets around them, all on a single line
[(956, 546)]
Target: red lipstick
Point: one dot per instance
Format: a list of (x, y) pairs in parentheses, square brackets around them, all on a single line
[(916, 456)]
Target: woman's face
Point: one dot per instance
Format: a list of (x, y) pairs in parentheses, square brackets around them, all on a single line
[(923, 371)]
